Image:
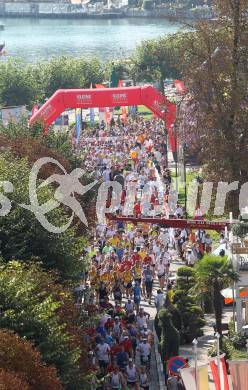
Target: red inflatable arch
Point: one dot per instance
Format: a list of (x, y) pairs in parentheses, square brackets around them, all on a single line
[(106, 97)]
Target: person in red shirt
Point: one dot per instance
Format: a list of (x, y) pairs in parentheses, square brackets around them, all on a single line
[(126, 264), (137, 209), (109, 324), (147, 260), (116, 347), (135, 257), (127, 344)]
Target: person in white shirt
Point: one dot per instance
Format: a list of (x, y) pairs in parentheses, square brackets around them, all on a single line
[(144, 349), (161, 270), (106, 174), (103, 353), (159, 300), (164, 237), (141, 320), (179, 212), (132, 375)]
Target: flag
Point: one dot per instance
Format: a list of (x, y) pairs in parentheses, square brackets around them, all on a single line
[(203, 377), (114, 78), (220, 379), (78, 124), (98, 86), (180, 87), (188, 377), (123, 114), (172, 136), (35, 109), (92, 116), (107, 116), (199, 215), (239, 374)]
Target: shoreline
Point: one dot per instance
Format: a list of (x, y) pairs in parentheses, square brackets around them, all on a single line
[(53, 10), (99, 16)]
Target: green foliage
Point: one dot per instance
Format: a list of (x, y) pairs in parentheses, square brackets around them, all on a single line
[(61, 142), (170, 339), (213, 274), (67, 72), (215, 269), (226, 348), (30, 302), (240, 229), (157, 59), (237, 339), (234, 345), (186, 302), (25, 84), (18, 85), (148, 4), (23, 237)]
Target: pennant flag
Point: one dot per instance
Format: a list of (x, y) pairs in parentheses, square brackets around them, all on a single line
[(220, 379), (35, 109), (199, 215), (180, 87), (188, 377), (123, 114), (98, 86), (239, 374), (92, 116), (172, 136), (107, 116), (78, 124), (114, 78)]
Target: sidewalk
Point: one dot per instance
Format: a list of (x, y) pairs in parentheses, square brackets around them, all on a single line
[(204, 342)]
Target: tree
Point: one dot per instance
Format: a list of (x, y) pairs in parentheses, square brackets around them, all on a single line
[(17, 84), (156, 59), (67, 72), (215, 71), (23, 237), (36, 307), (214, 273), (19, 361), (11, 381), (170, 339), (186, 302)]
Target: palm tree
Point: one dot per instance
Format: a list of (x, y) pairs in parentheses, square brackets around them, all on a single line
[(213, 274)]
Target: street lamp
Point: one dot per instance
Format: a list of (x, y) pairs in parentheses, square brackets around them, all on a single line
[(185, 148)]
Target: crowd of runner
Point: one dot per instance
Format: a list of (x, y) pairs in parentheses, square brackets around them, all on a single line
[(127, 260)]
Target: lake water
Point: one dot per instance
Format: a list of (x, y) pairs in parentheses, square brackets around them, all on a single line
[(34, 39)]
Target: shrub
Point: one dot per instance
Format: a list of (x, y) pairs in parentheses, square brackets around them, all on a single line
[(20, 358), (191, 314), (170, 338)]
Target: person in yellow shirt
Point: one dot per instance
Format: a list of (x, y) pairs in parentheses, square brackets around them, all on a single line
[(142, 253), (137, 272), (127, 280), (114, 241), (170, 293)]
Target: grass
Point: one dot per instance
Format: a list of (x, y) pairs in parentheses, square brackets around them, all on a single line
[(238, 354), (190, 176)]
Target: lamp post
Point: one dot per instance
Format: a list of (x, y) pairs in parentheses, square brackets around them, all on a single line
[(185, 148), (195, 342), (217, 335)]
